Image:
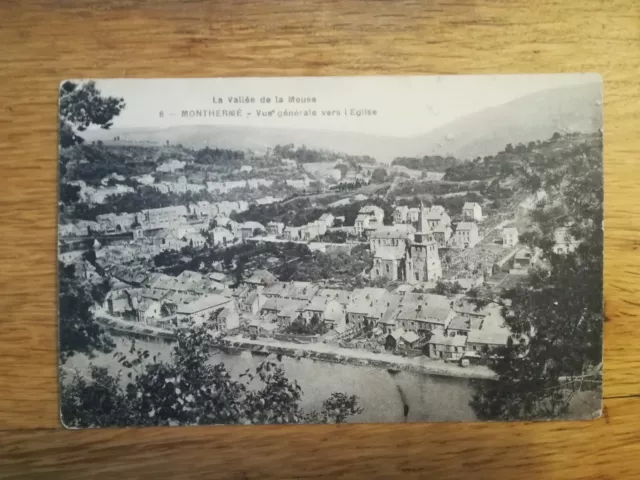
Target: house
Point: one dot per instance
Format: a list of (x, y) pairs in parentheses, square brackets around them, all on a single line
[(523, 259), (200, 309), (260, 278), (343, 297), (166, 239), (275, 229), (361, 224), (292, 290), (373, 211), (200, 209), (289, 311), (365, 308), (472, 212), (326, 309), (171, 166), (328, 219), (401, 340), (467, 235), (492, 338), (463, 324), (219, 279), (393, 237), (251, 229), (564, 241), (437, 216), (292, 233), (509, 236), (250, 303), (119, 302), (389, 304), (146, 179), (401, 214), (225, 319), (447, 348), (442, 234), (424, 313), (261, 328), (312, 230), (221, 236), (111, 222), (146, 310), (413, 215), (195, 239), (271, 307), (466, 308), (162, 217)]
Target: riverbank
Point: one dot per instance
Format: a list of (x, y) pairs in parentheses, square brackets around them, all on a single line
[(358, 357), (314, 351)]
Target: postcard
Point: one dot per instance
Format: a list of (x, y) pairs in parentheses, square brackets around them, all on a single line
[(330, 250)]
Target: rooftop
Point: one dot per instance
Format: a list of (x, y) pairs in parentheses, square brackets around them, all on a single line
[(203, 303), (463, 226), (489, 337), (439, 338), (395, 231)]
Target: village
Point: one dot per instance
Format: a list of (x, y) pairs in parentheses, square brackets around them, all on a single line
[(413, 303)]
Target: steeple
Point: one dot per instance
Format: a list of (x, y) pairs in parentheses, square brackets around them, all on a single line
[(421, 218), (423, 228)]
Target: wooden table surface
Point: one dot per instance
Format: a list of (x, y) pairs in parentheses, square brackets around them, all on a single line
[(43, 42)]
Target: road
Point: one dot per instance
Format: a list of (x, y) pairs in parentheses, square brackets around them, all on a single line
[(419, 363)]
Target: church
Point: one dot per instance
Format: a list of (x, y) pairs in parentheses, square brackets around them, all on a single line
[(401, 253)]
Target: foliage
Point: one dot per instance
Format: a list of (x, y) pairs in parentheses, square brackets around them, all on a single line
[(69, 193), (448, 289), (214, 156), (454, 205), (379, 175), (521, 160), (166, 258), (334, 236), (313, 327), (79, 332), (434, 163), (190, 390), (348, 186), (556, 314), (303, 154), (82, 105), (340, 267)]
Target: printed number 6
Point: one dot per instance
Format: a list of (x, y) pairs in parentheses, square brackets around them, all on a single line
[(161, 114)]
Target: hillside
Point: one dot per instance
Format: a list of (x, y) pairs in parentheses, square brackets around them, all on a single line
[(254, 138), (530, 118)]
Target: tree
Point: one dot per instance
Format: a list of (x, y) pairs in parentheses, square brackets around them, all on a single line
[(379, 175), (556, 314), (82, 105), (343, 169), (79, 332), (69, 193), (189, 390)]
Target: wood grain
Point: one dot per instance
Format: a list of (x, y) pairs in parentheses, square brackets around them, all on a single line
[(44, 42), (604, 449)]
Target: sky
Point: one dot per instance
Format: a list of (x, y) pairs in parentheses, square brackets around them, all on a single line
[(405, 105)]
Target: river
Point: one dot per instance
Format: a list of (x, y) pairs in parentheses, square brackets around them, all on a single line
[(382, 395)]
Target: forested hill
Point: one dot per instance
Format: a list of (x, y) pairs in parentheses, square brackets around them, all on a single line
[(526, 163)]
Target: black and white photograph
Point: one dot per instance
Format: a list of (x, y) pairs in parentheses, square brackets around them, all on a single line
[(306, 250)]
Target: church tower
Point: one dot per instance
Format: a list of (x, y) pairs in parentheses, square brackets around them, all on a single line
[(423, 261)]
